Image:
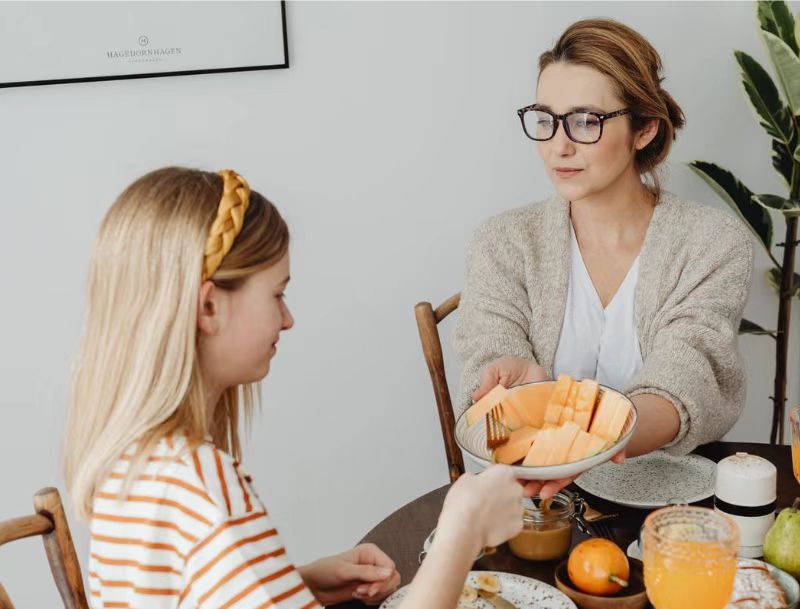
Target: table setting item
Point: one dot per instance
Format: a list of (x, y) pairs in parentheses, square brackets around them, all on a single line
[(632, 597), (612, 415), (518, 591), (689, 557), (651, 481), (746, 490)]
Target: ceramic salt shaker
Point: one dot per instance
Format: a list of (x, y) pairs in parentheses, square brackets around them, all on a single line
[(745, 490)]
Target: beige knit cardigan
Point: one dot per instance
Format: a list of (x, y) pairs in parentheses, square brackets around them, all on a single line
[(694, 277)]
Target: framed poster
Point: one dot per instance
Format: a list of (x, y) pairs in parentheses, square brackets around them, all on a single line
[(58, 42)]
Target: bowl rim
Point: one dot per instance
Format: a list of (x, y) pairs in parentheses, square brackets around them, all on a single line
[(623, 440)]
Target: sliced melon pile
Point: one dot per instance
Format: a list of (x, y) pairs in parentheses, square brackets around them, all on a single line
[(554, 423)]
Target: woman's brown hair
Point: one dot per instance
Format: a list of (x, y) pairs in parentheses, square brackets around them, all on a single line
[(634, 65)]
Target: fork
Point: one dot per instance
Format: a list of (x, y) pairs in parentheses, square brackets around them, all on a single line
[(496, 431)]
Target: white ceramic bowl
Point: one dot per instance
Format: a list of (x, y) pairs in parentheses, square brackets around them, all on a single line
[(472, 441)]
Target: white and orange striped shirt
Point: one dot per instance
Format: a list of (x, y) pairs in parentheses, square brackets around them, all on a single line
[(191, 533)]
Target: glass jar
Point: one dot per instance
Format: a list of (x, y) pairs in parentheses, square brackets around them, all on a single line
[(546, 533)]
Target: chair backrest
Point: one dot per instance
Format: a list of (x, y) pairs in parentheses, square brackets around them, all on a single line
[(50, 522), (428, 319)]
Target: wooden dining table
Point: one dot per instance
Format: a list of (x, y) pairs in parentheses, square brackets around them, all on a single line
[(402, 533)]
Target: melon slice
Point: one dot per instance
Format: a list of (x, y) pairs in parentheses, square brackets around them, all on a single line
[(618, 420), (596, 445), (530, 401), (603, 414), (587, 396), (572, 396), (513, 418), (478, 410), (567, 414), (558, 399), (564, 438), (517, 447), (579, 446), (537, 455), (582, 418), (612, 413)]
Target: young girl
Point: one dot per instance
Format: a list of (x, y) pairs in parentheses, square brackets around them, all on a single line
[(611, 278), (185, 310)]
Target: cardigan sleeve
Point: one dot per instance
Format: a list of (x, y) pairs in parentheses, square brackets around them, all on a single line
[(494, 312), (693, 359)]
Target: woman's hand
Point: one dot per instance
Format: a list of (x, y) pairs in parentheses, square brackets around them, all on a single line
[(548, 488), (508, 371), (365, 573)]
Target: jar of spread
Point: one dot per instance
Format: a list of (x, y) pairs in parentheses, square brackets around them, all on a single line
[(547, 528)]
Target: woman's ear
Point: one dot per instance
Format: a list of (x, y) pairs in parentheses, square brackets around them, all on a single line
[(208, 309), (646, 134)]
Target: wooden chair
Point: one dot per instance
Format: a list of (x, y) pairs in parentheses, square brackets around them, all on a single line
[(50, 522), (427, 320)]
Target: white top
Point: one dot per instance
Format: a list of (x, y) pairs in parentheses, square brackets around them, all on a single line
[(598, 343)]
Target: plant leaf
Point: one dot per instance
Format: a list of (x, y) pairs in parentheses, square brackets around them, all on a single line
[(776, 18), (774, 280), (764, 98), (796, 156), (787, 67), (782, 160), (787, 207), (738, 197), (748, 327)]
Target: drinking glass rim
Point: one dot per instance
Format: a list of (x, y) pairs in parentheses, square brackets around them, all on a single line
[(649, 529)]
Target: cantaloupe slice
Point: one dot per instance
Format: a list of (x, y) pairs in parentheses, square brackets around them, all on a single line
[(579, 446), (567, 414), (517, 447), (582, 418), (537, 455), (564, 438), (618, 420), (596, 445), (558, 399), (549, 426), (513, 419), (612, 412), (603, 414), (478, 410), (587, 396), (572, 396), (530, 401)]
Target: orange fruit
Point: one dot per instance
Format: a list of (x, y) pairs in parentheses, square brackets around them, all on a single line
[(598, 566)]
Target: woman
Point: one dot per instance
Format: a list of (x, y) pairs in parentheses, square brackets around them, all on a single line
[(611, 278)]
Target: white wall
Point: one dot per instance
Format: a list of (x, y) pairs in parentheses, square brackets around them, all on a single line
[(391, 137)]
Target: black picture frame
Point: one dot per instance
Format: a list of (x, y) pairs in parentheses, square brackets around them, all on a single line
[(284, 64)]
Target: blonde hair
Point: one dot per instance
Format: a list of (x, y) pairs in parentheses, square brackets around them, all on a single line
[(625, 56), (136, 377)]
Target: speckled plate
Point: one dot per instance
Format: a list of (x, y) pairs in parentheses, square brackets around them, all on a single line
[(524, 592), (654, 480)]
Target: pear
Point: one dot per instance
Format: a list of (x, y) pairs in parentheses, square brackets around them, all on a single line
[(782, 543)]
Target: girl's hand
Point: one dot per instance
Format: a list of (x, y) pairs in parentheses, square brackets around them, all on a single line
[(486, 507), (508, 371), (365, 573)]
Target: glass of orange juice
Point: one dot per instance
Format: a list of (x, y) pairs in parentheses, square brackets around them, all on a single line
[(794, 424), (689, 557)]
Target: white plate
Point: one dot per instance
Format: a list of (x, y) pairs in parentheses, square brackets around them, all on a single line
[(472, 441), (426, 547), (524, 592), (653, 480)]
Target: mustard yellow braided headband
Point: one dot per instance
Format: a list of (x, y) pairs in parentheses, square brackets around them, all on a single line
[(229, 221)]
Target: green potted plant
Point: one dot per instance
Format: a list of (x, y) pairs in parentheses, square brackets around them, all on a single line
[(779, 114)]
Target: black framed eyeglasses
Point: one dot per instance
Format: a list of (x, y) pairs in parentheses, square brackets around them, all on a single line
[(581, 127)]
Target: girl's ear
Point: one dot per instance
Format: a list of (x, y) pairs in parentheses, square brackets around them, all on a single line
[(208, 309), (646, 134)]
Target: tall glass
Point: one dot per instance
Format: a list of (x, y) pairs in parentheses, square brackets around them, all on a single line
[(794, 424), (689, 557)]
